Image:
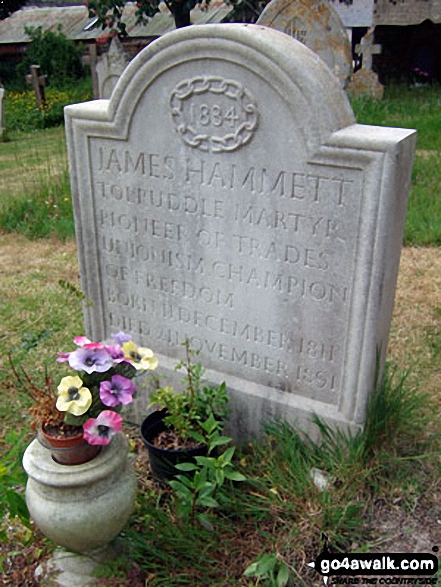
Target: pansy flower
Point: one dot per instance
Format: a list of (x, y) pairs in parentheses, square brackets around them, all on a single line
[(119, 390), (94, 359), (101, 429), (121, 337), (140, 357), (73, 397)]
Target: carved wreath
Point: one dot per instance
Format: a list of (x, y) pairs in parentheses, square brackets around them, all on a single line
[(241, 97)]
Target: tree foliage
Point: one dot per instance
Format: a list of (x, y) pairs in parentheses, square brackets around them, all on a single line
[(109, 12), (54, 53)]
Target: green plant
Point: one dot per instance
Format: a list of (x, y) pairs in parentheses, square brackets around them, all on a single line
[(187, 410), (57, 56), (208, 474), (22, 113), (270, 569), (12, 478)]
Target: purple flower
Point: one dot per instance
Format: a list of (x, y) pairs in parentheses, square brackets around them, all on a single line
[(121, 337), (119, 390), (116, 352), (101, 429), (90, 360)]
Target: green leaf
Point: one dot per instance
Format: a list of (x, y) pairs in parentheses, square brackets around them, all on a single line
[(181, 489), (205, 461), (186, 466), (208, 502), (220, 476), (198, 437), (205, 521), (207, 491), (235, 476), (283, 575), (250, 571), (228, 454), (219, 441)]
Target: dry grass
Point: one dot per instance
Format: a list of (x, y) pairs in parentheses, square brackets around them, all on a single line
[(415, 340), (32, 299)]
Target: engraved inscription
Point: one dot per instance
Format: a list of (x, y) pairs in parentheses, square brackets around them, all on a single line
[(183, 257), (213, 114)]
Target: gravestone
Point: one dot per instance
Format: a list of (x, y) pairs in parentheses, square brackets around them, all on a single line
[(358, 13), (364, 82), (38, 82), (225, 195), (367, 48), (2, 113), (315, 24), (109, 68)]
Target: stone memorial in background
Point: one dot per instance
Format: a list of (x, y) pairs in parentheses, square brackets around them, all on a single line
[(225, 194), (315, 24), (109, 68), (364, 82), (2, 113), (38, 82)]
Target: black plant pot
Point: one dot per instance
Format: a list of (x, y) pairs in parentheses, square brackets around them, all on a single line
[(163, 461)]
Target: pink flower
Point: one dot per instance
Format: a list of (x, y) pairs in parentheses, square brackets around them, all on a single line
[(101, 429), (118, 390)]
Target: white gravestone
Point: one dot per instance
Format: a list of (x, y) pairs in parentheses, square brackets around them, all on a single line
[(2, 113), (109, 68), (226, 195)]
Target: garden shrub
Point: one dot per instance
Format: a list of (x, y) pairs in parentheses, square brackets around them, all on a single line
[(57, 56)]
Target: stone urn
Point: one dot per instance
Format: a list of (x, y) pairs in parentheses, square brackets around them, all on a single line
[(81, 507)]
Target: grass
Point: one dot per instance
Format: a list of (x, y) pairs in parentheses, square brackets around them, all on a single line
[(391, 470), (279, 513), (34, 187), (418, 108), (35, 193)]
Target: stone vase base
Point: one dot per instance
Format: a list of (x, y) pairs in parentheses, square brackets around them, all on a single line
[(81, 507), (68, 569)]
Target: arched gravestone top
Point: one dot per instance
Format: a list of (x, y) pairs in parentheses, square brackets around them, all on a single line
[(224, 194), (318, 26), (110, 67)]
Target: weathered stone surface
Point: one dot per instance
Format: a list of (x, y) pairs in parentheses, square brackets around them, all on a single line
[(359, 13), (315, 24), (2, 113), (110, 67), (364, 82), (81, 507), (225, 195)]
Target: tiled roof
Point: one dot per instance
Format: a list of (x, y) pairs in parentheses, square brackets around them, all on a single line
[(74, 21)]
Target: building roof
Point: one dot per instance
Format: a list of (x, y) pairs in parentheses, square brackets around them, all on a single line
[(74, 21)]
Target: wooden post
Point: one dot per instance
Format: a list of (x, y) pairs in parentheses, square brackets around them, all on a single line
[(90, 60)]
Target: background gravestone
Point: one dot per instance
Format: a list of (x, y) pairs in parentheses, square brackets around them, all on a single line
[(109, 68), (315, 24), (224, 194), (364, 82), (2, 113)]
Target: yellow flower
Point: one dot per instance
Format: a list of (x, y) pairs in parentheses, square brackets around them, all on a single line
[(140, 357), (73, 397)]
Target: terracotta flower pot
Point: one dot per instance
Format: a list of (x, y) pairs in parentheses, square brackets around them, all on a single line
[(69, 450)]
